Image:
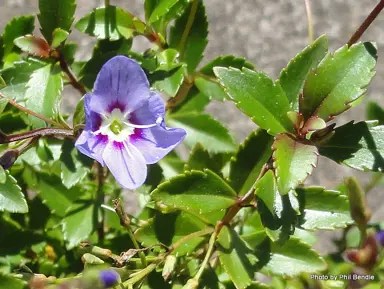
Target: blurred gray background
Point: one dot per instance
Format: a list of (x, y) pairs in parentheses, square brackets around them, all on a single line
[(268, 34)]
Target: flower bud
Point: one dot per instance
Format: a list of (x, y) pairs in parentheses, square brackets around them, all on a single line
[(169, 267), (191, 284), (8, 158), (366, 256), (380, 237), (109, 278)]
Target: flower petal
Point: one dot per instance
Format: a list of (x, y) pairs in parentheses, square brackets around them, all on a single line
[(126, 163), (149, 111), (121, 83), (91, 145), (156, 142), (92, 119)]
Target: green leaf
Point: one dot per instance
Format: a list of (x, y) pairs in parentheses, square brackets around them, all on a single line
[(171, 165), (121, 46), (74, 165), (11, 197), (189, 35), (203, 129), (293, 162), (33, 45), (339, 79), (59, 36), (169, 82), (92, 67), (17, 77), (55, 14), (375, 112), (3, 175), (202, 194), (161, 8), (8, 282), (323, 209), (225, 61), (266, 189), (68, 52), (293, 258), (357, 145), (16, 28), (170, 228), (79, 114), (195, 101), (236, 258), (108, 23), (43, 93), (210, 87), (55, 195), (78, 224), (246, 165), (256, 95), (292, 78)]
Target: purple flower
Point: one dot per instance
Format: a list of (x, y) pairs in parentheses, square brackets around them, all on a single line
[(109, 278), (125, 128), (380, 237)]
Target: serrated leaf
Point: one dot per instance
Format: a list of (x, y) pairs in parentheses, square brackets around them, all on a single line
[(237, 259), (210, 87), (256, 95), (204, 129), (92, 67), (225, 61), (59, 36), (9, 282), (16, 28), (74, 165), (292, 78), (161, 8), (107, 23), (55, 14), (195, 101), (78, 224), (189, 35), (11, 197), (55, 195), (169, 82), (79, 114), (43, 93), (17, 77), (202, 194), (170, 228), (339, 79), (323, 209), (200, 159), (68, 52), (3, 175), (171, 165), (357, 145), (33, 45), (293, 162), (375, 112), (266, 189), (250, 157), (293, 258), (121, 46)]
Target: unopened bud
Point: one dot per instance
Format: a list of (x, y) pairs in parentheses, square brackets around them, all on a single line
[(380, 237), (109, 278), (367, 255), (8, 158), (169, 267), (191, 284), (360, 213)]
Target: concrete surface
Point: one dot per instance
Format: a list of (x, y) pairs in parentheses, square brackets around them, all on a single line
[(268, 33)]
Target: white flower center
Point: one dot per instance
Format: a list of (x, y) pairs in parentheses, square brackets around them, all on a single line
[(116, 126)]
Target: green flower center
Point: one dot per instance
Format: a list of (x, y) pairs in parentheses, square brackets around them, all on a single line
[(116, 127)]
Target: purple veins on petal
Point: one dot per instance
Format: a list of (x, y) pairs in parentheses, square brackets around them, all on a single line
[(125, 128)]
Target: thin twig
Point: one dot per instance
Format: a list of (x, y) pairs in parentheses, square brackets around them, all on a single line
[(30, 112), (36, 133), (367, 22), (188, 26), (67, 70), (125, 222), (100, 201), (310, 22)]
